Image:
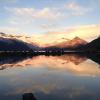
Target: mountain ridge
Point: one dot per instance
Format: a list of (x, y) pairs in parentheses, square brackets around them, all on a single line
[(8, 44), (75, 44)]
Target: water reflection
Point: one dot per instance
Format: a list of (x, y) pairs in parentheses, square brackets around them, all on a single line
[(65, 77)]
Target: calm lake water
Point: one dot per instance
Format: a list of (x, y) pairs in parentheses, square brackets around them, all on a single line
[(65, 77)]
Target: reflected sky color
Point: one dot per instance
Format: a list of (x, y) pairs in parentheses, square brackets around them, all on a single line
[(73, 64), (51, 77)]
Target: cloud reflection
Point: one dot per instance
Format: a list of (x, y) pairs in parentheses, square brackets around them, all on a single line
[(58, 77), (74, 64)]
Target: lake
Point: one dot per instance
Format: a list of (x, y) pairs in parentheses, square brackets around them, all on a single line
[(64, 77)]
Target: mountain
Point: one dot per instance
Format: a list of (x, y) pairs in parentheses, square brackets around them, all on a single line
[(22, 61), (35, 40), (23, 42), (93, 45), (72, 43), (8, 44), (21, 37), (74, 63), (69, 44)]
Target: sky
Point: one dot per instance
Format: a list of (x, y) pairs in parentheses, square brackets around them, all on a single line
[(51, 18)]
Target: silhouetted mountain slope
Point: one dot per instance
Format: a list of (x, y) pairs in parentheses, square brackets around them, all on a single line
[(94, 45), (8, 44), (21, 37)]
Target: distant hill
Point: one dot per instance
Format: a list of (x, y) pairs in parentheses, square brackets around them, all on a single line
[(8, 44), (77, 44), (20, 37), (69, 44), (72, 43)]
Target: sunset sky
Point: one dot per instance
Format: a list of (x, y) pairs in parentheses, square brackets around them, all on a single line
[(51, 18)]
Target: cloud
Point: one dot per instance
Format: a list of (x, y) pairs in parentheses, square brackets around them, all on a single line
[(86, 32), (49, 26), (31, 19), (45, 13), (73, 6), (52, 20), (77, 9), (47, 18)]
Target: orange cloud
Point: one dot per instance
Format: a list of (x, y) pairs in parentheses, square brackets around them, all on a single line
[(86, 32)]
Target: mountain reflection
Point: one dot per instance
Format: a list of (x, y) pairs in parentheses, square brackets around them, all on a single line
[(65, 77), (10, 61), (73, 63)]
